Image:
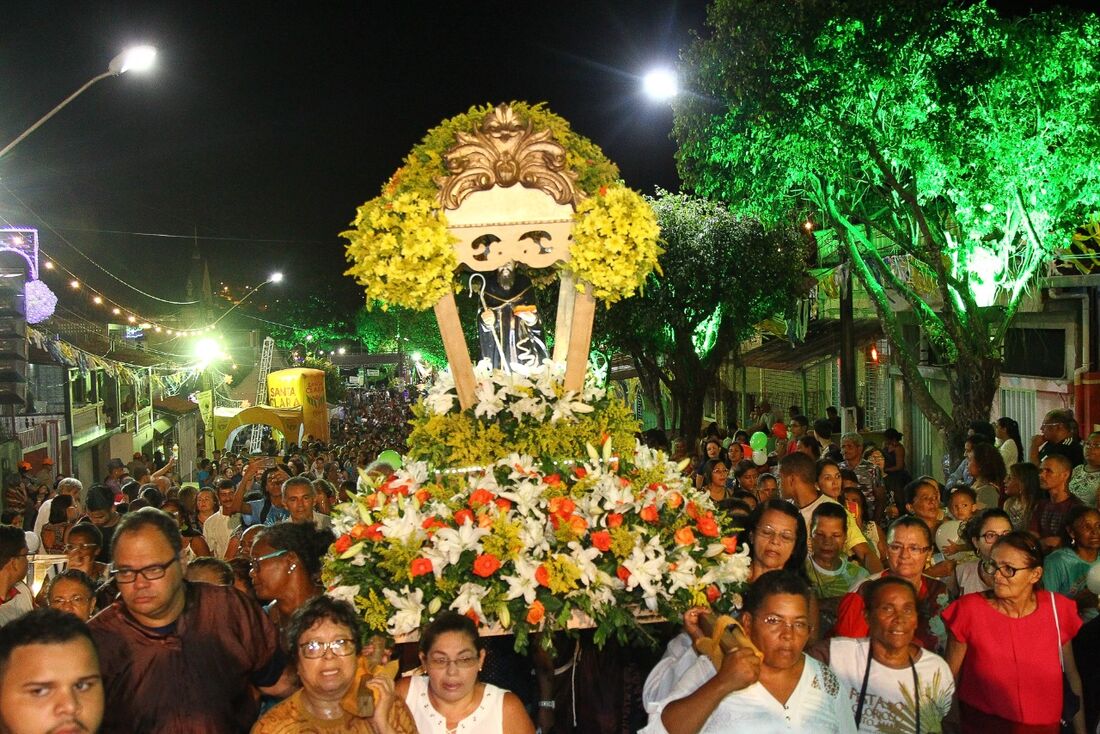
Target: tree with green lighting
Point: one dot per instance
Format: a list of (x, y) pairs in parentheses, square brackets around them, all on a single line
[(961, 141), (721, 275)]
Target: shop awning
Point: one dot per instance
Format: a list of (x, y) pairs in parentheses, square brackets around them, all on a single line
[(822, 342)]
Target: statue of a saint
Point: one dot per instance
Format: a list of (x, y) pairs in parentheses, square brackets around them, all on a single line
[(509, 329)]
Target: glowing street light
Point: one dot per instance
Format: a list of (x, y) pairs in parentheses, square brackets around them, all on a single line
[(275, 278), (660, 85), (137, 58)]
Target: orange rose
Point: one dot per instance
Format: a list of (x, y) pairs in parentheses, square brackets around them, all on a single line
[(601, 539), (713, 593), (480, 497), (707, 526), (614, 520), (692, 510), (730, 542), (423, 495), (473, 615), (374, 532), (431, 523), (485, 565), (552, 479), (674, 500), (542, 575), (580, 472), (562, 506), (463, 516), (342, 543), (535, 612), (359, 531), (649, 514), (577, 523), (623, 574), (419, 567), (503, 504), (483, 520), (684, 536)]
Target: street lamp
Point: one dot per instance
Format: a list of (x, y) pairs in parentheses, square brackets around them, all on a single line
[(137, 58), (275, 278), (660, 85)]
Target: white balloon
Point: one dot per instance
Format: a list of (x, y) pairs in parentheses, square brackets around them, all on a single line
[(759, 458)]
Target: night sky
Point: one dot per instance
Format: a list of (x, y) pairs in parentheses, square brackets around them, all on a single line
[(263, 126)]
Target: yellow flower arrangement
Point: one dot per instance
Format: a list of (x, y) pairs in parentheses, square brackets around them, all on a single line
[(402, 253), (614, 243), (394, 244)]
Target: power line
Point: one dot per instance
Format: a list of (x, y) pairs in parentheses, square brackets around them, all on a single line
[(211, 238), (86, 257)]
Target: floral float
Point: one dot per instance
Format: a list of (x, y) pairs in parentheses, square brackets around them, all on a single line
[(525, 542)]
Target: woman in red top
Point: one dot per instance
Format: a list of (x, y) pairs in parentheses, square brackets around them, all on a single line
[(1003, 646)]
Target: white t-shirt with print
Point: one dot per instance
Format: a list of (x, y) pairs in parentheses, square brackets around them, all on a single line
[(889, 707)]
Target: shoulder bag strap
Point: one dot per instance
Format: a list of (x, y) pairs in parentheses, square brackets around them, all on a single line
[(1058, 631)]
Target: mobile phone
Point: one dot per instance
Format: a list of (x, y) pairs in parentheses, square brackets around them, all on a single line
[(852, 505)]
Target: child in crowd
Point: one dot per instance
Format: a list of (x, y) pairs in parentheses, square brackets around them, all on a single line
[(951, 535)]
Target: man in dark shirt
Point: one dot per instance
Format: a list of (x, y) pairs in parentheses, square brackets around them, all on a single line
[(1050, 514), (179, 657), (1058, 435)]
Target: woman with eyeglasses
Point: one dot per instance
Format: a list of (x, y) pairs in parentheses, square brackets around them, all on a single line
[(908, 548), (286, 567), (1007, 646), (449, 699), (777, 539), (982, 531), (1066, 569), (343, 686)]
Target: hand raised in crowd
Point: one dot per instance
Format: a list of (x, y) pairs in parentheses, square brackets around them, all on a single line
[(691, 623), (740, 669)]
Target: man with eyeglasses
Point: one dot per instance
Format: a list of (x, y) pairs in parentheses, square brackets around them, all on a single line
[(1057, 435), (179, 657), (784, 689), (16, 598)]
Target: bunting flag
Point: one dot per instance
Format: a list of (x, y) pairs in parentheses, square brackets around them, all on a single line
[(164, 376)]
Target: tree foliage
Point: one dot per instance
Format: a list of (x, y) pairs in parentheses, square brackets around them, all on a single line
[(933, 130), (722, 274), (334, 384)]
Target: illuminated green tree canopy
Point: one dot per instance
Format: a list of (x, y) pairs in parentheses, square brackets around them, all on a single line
[(946, 133), (722, 275)]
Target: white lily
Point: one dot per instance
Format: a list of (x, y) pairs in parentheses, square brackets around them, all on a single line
[(450, 543), (469, 599), (344, 593), (523, 582), (584, 558), (410, 610), (488, 402)]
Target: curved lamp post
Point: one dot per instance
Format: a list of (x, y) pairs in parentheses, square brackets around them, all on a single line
[(137, 58)]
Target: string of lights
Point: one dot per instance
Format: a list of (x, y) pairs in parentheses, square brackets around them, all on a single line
[(115, 308)]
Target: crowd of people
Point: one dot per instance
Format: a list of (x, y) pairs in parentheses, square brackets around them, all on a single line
[(875, 601)]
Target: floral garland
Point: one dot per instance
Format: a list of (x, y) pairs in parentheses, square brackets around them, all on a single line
[(401, 253), (527, 543)]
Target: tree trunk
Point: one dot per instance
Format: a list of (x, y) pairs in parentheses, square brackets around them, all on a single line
[(651, 389), (974, 380)]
